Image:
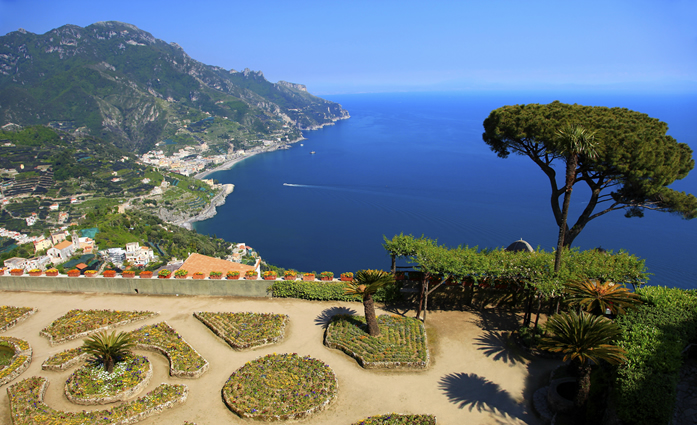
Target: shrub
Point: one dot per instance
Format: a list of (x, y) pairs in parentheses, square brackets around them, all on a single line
[(232, 273), (327, 274), (217, 273), (327, 291), (181, 273), (250, 273), (654, 334)]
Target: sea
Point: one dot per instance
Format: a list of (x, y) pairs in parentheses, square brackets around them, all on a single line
[(415, 163)]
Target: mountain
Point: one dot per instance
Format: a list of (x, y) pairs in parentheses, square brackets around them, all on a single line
[(114, 81)]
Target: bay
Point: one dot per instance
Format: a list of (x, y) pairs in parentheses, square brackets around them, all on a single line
[(415, 163)]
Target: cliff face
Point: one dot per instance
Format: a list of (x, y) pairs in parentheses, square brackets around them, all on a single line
[(120, 83)]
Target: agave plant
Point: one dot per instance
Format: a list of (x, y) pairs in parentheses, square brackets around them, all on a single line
[(109, 348), (366, 283), (584, 339), (597, 298)]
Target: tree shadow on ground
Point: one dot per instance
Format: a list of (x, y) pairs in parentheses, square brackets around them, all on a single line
[(469, 390), (500, 346), (326, 315), (497, 319)]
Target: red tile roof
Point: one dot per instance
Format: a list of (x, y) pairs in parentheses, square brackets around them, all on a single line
[(205, 264)]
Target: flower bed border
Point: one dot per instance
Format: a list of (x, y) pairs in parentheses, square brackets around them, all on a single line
[(254, 344), (20, 361), (71, 337), (38, 390), (172, 371), (384, 364), (381, 419), (19, 319), (70, 362), (120, 396), (291, 416)]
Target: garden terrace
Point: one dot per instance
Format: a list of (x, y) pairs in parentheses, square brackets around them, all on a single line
[(79, 323), (28, 408), (18, 362), (398, 419), (280, 387), (91, 384), (184, 360), (401, 344), (11, 316), (246, 330)]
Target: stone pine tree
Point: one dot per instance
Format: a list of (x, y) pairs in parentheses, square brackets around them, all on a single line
[(636, 160), (575, 141)]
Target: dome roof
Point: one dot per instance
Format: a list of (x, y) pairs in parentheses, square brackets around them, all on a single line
[(519, 245)]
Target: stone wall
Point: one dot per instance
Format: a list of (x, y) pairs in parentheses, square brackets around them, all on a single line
[(154, 286)]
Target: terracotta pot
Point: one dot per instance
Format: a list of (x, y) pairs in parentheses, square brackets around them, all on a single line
[(128, 275), (269, 277), (73, 274), (17, 273), (326, 278), (2, 272), (216, 277), (198, 276), (290, 277), (52, 274), (310, 277), (233, 277), (145, 275), (164, 277), (251, 277), (346, 279), (182, 277), (35, 273), (109, 273)]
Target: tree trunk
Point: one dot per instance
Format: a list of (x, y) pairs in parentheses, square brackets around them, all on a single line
[(421, 299), (394, 264), (370, 319), (584, 385), (539, 308), (109, 364), (425, 301), (571, 162)]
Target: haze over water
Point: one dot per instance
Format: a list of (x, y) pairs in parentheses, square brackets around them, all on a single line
[(416, 163)]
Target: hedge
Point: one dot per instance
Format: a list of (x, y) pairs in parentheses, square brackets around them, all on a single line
[(327, 291), (654, 336)]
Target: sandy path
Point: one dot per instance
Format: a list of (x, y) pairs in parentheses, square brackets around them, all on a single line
[(474, 377)]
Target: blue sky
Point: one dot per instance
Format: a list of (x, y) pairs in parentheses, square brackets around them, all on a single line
[(373, 46)]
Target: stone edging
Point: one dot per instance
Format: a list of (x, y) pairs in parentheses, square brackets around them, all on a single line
[(290, 416), (255, 344), (20, 363), (51, 341), (18, 320), (382, 365), (65, 365), (122, 396)]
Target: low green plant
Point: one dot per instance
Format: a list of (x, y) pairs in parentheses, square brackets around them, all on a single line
[(398, 419), (164, 273), (216, 274), (328, 291), (109, 348), (181, 273)]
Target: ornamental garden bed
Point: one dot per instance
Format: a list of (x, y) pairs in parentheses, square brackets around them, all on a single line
[(15, 358), (401, 345), (79, 323), (184, 360), (12, 316), (398, 419), (65, 359), (28, 408), (280, 387), (245, 330), (91, 384)]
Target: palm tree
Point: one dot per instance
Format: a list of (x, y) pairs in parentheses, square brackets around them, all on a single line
[(574, 142), (109, 348), (584, 339), (597, 298), (366, 283)]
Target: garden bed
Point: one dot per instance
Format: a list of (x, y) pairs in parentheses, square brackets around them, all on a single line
[(65, 359), (280, 387), (91, 384), (184, 360), (245, 330), (27, 406), (401, 345), (398, 419), (12, 316), (20, 360), (79, 323)]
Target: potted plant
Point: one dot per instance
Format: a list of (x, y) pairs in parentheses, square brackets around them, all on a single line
[(308, 276), (2, 271), (269, 275), (164, 274), (290, 275), (251, 275), (326, 276), (109, 273), (52, 272), (35, 272), (73, 273), (181, 274), (147, 274), (90, 273), (129, 274), (215, 275), (198, 275), (232, 274), (400, 276), (17, 272), (347, 277)]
